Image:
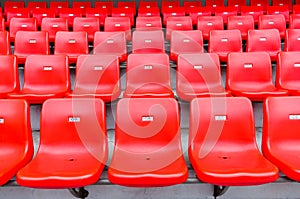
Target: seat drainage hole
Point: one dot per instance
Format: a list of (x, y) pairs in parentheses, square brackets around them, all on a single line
[(147, 158), (71, 159), (224, 157)]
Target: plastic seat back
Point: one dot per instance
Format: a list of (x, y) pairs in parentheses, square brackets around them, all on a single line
[(53, 25), (279, 10), (172, 12), (148, 23), (149, 12), (83, 5), (57, 5), (40, 13), (188, 5), (16, 139), (292, 40), (294, 21), (107, 5), (100, 13), (124, 12), (254, 11), (9, 77), (31, 5), (148, 42), (13, 5), (237, 4), (118, 24), (287, 3), (178, 23), (241, 23), (264, 40), (198, 11), (16, 13), (185, 42), (71, 44), (224, 42), (70, 14), (213, 4), (226, 12), (208, 23), (4, 43), (89, 25), (21, 24), (260, 3), (273, 22)]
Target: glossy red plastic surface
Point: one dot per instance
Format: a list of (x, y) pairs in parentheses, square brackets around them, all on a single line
[(147, 150), (237, 4), (40, 13), (74, 153), (172, 12), (185, 42), (280, 134), (198, 75), (148, 75), (112, 43), (241, 23), (124, 12), (13, 5), (282, 10), (57, 5), (288, 3), (16, 13), (89, 25), (287, 72), (208, 23), (224, 42), (148, 23), (21, 24), (213, 4), (9, 77), (250, 75), (222, 145), (254, 11), (70, 14), (188, 5), (226, 12), (292, 40), (267, 40), (105, 4), (31, 43), (53, 25), (83, 5), (260, 3), (118, 24), (97, 76), (183, 23), (45, 76), (198, 11), (100, 13), (4, 43), (71, 44), (148, 42), (149, 12), (16, 139), (295, 21), (33, 5)]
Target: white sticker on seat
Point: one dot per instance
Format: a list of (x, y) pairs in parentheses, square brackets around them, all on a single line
[(214, 5), (98, 67), (251, 13), (170, 6), (240, 23), (296, 65), (258, 4), (59, 6), (276, 12), (71, 15), (81, 7), (19, 14), (74, 119), (148, 40), (225, 13), (148, 24), (86, 25), (198, 66), (173, 14), (32, 41), (122, 14), (262, 39), (179, 24), (186, 41), (247, 65), (148, 6), (72, 41), (1, 120), (294, 117), (47, 68), (103, 6), (117, 25), (148, 67), (220, 117), (224, 40), (55, 25), (209, 24), (271, 22), (24, 25), (147, 118), (199, 13), (96, 15), (110, 41), (148, 14), (44, 15)]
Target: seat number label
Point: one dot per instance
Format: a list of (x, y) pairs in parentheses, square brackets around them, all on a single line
[(74, 119), (220, 117), (147, 118), (1, 120), (294, 117)]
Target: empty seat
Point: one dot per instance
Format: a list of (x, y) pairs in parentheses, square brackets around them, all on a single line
[(123, 12), (292, 40), (148, 23), (148, 75), (296, 9), (53, 25), (71, 44), (33, 5), (148, 42), (287, 3), (294, 21), (13, 5), (16, 13), (31, 43), (165, 5), (264, 40), (111, 43), (191, 4), (224, 42), (45, 76), (241, 23), (237, 4), (57, 5), (147, 150), (282, 10), (41, 13), (21, 24), (9, 77), (105, 4), (222, 144), (208, 23), (250, 75), (4, 43), (97, 76), (199, 75), (16, 139), (280, 134), (178, 23), (225, 12), (100, 13), (198, 11), (254, 11), (89, 25), (172, 12), (213, 4), (148, 4), (79, 142), (2, 24), (70, 14), (128, 5), (185, 42), (260, 3), (83, 5), (288, 68), (149, 12), (118, 24)]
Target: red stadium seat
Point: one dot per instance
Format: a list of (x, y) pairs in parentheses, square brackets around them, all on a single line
[(254, 11), (128, 5), (71, 44), (224, 42), (287, 72), (287, 3), (264, 40), (241, 23), (273, 22), (222, 144), (148, 4), (8, 5), (45, 77), (185, 42), (294, 21), (2, 24), (148, 23), (111, 43), (149, 12), (280, 134), (260, 3), (57, 5), (4, 43), (296, 9), (21, 24), (79, 143), (118, 24), (147, 150), (70, 14), (16, 139), (9, 77), (148, 75), (213, 4), (33, 5), (250, 75), (191, 4), (199, 11), (124, 12), (292, 40), (148, 42), (53, 25), (40, 13), (89, 25), (97, 76), (83, 5), (31, 43), (199, 75), (283, 10), (105, 4), (100, 13), (225, 12), (165, 4), (237, 4), (172, 12), (178, 23), (16, 13), (208, 23)]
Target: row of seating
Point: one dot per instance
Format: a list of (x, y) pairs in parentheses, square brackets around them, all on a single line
[(148, 75), (222, 147)]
